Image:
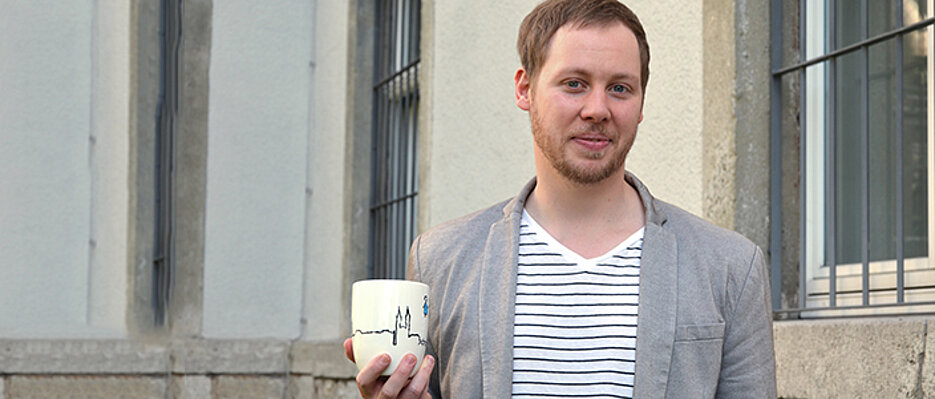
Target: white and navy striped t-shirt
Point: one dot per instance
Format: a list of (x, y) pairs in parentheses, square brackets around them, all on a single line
[(575, 326)]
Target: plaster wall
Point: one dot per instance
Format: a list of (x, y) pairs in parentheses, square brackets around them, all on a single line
[(109, 154), (667, 154), (478, 144), (325, 198), (63, 146), (258, 121)]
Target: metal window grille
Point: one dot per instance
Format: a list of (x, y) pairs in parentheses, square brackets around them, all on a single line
[(394, 194), (862, 128), (171, 36)]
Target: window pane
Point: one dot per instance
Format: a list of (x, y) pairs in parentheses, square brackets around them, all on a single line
[(915, 149), (848, 130), (847, 22), (815, 110), (883, 151), (884, 15), (914, 11)]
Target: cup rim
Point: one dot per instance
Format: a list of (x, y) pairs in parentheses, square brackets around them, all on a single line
[(388, 280)]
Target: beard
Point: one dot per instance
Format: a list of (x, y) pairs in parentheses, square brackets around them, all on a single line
[(552, 146)]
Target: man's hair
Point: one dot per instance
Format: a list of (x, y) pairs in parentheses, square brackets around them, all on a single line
[(537, 29)]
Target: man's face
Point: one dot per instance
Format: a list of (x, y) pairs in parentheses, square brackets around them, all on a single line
[(586, 102)]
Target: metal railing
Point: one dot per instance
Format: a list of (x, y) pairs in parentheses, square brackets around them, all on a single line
[(394, 193), (170, 66), (781, 197)]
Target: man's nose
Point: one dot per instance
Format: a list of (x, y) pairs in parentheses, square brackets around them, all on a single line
[(595, 107)]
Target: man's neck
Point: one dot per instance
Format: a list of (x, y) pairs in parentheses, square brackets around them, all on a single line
[(589, 219)]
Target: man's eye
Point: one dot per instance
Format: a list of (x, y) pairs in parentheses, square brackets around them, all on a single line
[(574, 84), (619, 89)]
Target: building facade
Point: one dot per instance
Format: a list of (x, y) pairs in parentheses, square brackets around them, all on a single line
[(190, 187)]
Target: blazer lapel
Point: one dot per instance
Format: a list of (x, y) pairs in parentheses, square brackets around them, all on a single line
[(497, 300), (655, 330)]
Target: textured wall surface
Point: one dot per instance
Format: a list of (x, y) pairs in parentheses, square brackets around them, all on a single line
[(667, 154), (257, 159), (718, 155), (325, 201), (63, 163), (874, 358), (183, 369), (478, 144)]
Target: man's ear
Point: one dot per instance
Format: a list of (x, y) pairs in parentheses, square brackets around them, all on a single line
[(521, 83)]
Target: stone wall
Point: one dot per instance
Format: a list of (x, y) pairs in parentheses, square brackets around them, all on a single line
[(862, 358), (186, 369)]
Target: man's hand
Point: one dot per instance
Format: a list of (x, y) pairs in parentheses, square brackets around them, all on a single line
[(397, 385)]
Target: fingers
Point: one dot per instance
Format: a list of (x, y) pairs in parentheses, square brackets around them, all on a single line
[(398, 385), (398, 380), (368, 379), (418, 386), (349, 349)]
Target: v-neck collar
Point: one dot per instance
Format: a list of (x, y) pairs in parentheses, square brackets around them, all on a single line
[(553, 243)]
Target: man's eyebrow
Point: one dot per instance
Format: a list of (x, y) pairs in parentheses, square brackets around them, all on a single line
[(583, 72), (625, 76)]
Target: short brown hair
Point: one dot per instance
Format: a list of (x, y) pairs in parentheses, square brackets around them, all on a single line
[(540, 25)]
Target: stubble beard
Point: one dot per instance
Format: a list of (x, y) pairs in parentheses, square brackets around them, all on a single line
[(557, 157)]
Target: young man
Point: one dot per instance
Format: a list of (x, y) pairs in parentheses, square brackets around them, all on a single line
[(584, 285)]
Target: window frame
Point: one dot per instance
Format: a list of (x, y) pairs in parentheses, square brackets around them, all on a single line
[(395, 133), (869, 287)]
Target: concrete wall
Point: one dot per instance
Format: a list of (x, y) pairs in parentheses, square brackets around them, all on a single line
[(476, 146), (667, 154), (325, 197), (259, 117), (63, 148), (872, 358), (182, 369)]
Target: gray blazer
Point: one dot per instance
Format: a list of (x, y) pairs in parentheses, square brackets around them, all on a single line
[(704, 326)]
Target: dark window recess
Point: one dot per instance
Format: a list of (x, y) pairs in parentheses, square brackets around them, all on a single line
[(394, 193)]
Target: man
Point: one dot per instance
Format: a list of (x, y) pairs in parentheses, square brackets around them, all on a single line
[(584, 285)]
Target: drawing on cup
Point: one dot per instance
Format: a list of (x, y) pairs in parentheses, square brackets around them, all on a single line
[(402, 322)]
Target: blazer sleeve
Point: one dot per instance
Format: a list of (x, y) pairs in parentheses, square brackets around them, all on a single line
[(748, 368), (414, 273)]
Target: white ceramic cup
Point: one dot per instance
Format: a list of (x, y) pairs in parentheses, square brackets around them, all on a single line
[(389, 316)]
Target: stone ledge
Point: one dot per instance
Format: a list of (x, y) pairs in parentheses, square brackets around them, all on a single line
[(48, 356), (182, 356), (322, 359), (230, 356), (851, 358)]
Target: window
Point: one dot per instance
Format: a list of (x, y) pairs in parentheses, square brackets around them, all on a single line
[(395, 132), (853, 136)]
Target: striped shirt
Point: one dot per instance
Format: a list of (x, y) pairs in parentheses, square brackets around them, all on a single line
[(575, 326)]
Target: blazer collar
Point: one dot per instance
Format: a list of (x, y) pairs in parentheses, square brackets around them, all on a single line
[(654, 215), (657, 302)]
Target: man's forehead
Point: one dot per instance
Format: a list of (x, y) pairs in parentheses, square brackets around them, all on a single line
[(607, 27), (598, 38)]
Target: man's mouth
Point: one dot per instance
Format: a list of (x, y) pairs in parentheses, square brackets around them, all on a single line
[(592, 142)]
